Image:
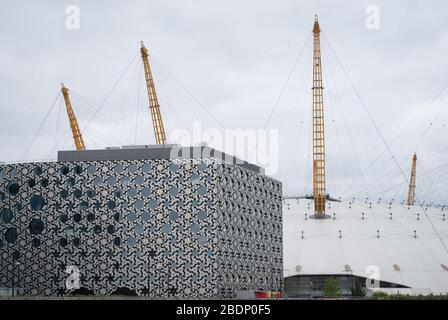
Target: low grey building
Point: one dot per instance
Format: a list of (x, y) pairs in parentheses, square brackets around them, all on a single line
[(140, 220)]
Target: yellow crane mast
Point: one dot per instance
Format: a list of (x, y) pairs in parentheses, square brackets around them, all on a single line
[(319, 186), (77, 136), (157, 122), (411, 192)]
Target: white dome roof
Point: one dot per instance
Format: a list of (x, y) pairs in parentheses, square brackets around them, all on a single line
[(346, 243)]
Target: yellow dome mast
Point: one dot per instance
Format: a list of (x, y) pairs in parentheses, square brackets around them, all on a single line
[(411, 192), (319, 186), (157, 122), (77, 136)]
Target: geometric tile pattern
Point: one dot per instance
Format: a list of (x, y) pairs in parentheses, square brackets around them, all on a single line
[(160, 227)]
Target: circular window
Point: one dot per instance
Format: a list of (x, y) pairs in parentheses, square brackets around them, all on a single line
[(77, 217), (117, 216), (110, 229), (36, 226), (84, 205), (195, 179), (173, 215), (132, 192), (117, 241), (202, 240), (194, 228), (16, 255), (70, 182), (173, 191), (132, 168), (132, 241), (111, 181), (76, 242), (98, 181), (111, 205), (146, 216), (201, 190), (77, 194), (63, 218), (7, 215), (118, 168), (63, 194), (146, 167), (13, 188), (132, 216), (202, 166), (11, 235), (65, 170), (138, 229), (138, 204), (146, 192), (152, 203), (37, 171), (63, 242), (78, 169), (35, 243), (37, 202), (90, 217), (174, 167), (31, 183), (139, 180), (118, 193), (166, 228), (91, 169), (97, 229), (44, 183), (202, 215)]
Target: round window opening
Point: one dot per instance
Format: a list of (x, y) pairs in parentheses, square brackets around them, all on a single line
[(36, 226), (37, 202), (13, 188), (7, 215)]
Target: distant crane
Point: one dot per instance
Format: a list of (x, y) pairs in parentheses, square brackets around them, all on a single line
[(411, 192), (319, 184), (157, 122), (77, 136)]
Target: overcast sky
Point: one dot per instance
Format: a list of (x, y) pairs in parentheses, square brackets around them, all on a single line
[(225, 63)]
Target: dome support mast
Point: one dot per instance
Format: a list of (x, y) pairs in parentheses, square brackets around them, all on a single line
[(411, 192), (77, 136), (157, 122), (319, 184)]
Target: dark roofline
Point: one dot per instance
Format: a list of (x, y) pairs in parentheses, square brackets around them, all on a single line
[(148, 152)]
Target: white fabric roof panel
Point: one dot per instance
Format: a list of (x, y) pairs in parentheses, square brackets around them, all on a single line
[(323, 250)]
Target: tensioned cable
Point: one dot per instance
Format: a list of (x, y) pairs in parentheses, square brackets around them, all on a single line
[(436, 96), (30, 145), (384, 141), (103, 102), (188, 92)]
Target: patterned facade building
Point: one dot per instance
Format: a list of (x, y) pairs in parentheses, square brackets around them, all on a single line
[(142, 223)]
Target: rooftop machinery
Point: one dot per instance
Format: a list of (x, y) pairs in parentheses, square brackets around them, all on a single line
[(157, 122), (319, 186), (77, 136)]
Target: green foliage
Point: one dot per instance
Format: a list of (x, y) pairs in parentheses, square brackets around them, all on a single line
[(380, 294), (331, 288), (357, 290)]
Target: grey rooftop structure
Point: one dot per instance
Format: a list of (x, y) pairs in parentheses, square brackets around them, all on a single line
[(152, 152)]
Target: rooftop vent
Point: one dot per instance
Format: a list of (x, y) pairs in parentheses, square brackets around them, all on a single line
[(347, 268), (299, 268), (397, 267), (444, 267)]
